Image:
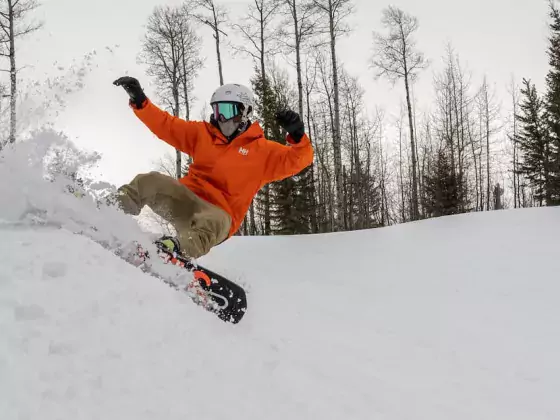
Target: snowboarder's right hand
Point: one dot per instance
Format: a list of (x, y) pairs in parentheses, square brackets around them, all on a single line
[(134, 90)]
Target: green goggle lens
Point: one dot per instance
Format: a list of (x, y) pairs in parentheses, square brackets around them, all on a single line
[(224, 111)]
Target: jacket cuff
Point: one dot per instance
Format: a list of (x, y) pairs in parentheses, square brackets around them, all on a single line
[(133, 105), (292, 141)]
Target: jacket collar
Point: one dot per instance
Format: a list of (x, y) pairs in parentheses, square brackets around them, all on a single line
[(253, 132)]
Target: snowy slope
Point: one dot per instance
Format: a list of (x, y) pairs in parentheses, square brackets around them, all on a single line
[(453, 318)]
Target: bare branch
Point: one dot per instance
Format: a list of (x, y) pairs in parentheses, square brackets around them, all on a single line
[(13, 14), (171, 51)]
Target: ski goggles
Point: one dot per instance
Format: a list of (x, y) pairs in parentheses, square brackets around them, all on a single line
[(225, 111)]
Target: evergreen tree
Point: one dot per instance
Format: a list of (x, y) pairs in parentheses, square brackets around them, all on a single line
[(534, 143), (443, 190), (552, 108), (263, 113), (289, 206)]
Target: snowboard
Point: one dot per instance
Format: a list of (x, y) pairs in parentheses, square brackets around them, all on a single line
[(210, 290)]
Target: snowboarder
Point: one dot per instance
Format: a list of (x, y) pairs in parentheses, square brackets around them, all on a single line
[(231, 162)]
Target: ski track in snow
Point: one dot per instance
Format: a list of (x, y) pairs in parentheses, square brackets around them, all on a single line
[(452, 318)]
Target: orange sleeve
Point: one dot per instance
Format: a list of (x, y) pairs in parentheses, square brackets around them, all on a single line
[(180, 134), (287, 160)]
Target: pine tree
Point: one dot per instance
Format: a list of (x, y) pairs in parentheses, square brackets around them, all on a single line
[(552, 108), (264, 114), (289, 207), (534, 143), (443, 189)]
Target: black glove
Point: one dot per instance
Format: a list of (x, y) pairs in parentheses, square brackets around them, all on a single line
[(292, 123), (134, 90)]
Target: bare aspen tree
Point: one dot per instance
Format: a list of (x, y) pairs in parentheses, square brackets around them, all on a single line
[(258, 33), (488, 113), (382, 163), (298, 30), (514, 92), (320, 121), (401, 178), (325, 109), (452, 120), (351, 97), (427, 153), (191, 63), (13, 25), (362, 193), (4, 89), (396, 57), (486, 106), (295, 29), (214, 16), (170, 50), (334, 12), (310, 81), (162, 53), (166, 164), (327, 195)]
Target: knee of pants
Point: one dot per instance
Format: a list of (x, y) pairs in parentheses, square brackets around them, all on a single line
[(200, 235), (148, 176), (194, 244)]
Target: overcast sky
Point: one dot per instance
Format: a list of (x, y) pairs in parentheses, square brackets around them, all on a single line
[(499, 38)]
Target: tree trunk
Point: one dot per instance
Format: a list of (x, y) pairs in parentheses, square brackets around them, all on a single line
[(547, 186), (252, 220), (314, 224), (480, 161), (298, 59), (487, 152), (514, 175), (415, 213), (176, 113), (266, 189), (218, 54), (336, 134), (384, 201), (403, 205), (476, 164), (418, 170), (245, 226), (185, 83), (13, 74), (516, 203)]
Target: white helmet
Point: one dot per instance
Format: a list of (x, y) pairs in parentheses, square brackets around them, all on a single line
[(235, 93)]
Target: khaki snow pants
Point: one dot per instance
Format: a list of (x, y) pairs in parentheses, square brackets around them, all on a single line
[(199, 224)]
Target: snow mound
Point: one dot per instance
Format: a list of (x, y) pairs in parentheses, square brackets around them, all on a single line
[(451, 318)]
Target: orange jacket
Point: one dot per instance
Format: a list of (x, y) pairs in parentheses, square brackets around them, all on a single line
[(227, 175)]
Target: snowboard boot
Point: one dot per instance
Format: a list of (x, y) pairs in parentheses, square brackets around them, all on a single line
[(169, 244), (198, 288)]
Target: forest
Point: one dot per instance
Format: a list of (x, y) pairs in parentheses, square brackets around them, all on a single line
[(369, 171)]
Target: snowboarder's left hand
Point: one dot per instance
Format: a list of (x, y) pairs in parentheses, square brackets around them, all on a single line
[(134, 90), (292, 123)]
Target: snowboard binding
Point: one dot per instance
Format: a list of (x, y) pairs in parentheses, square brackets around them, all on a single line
[(208, 289)]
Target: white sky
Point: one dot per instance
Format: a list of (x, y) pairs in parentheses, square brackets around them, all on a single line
[(496, 37)]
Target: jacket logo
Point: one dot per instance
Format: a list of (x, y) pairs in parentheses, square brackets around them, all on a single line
[(243, 151)]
